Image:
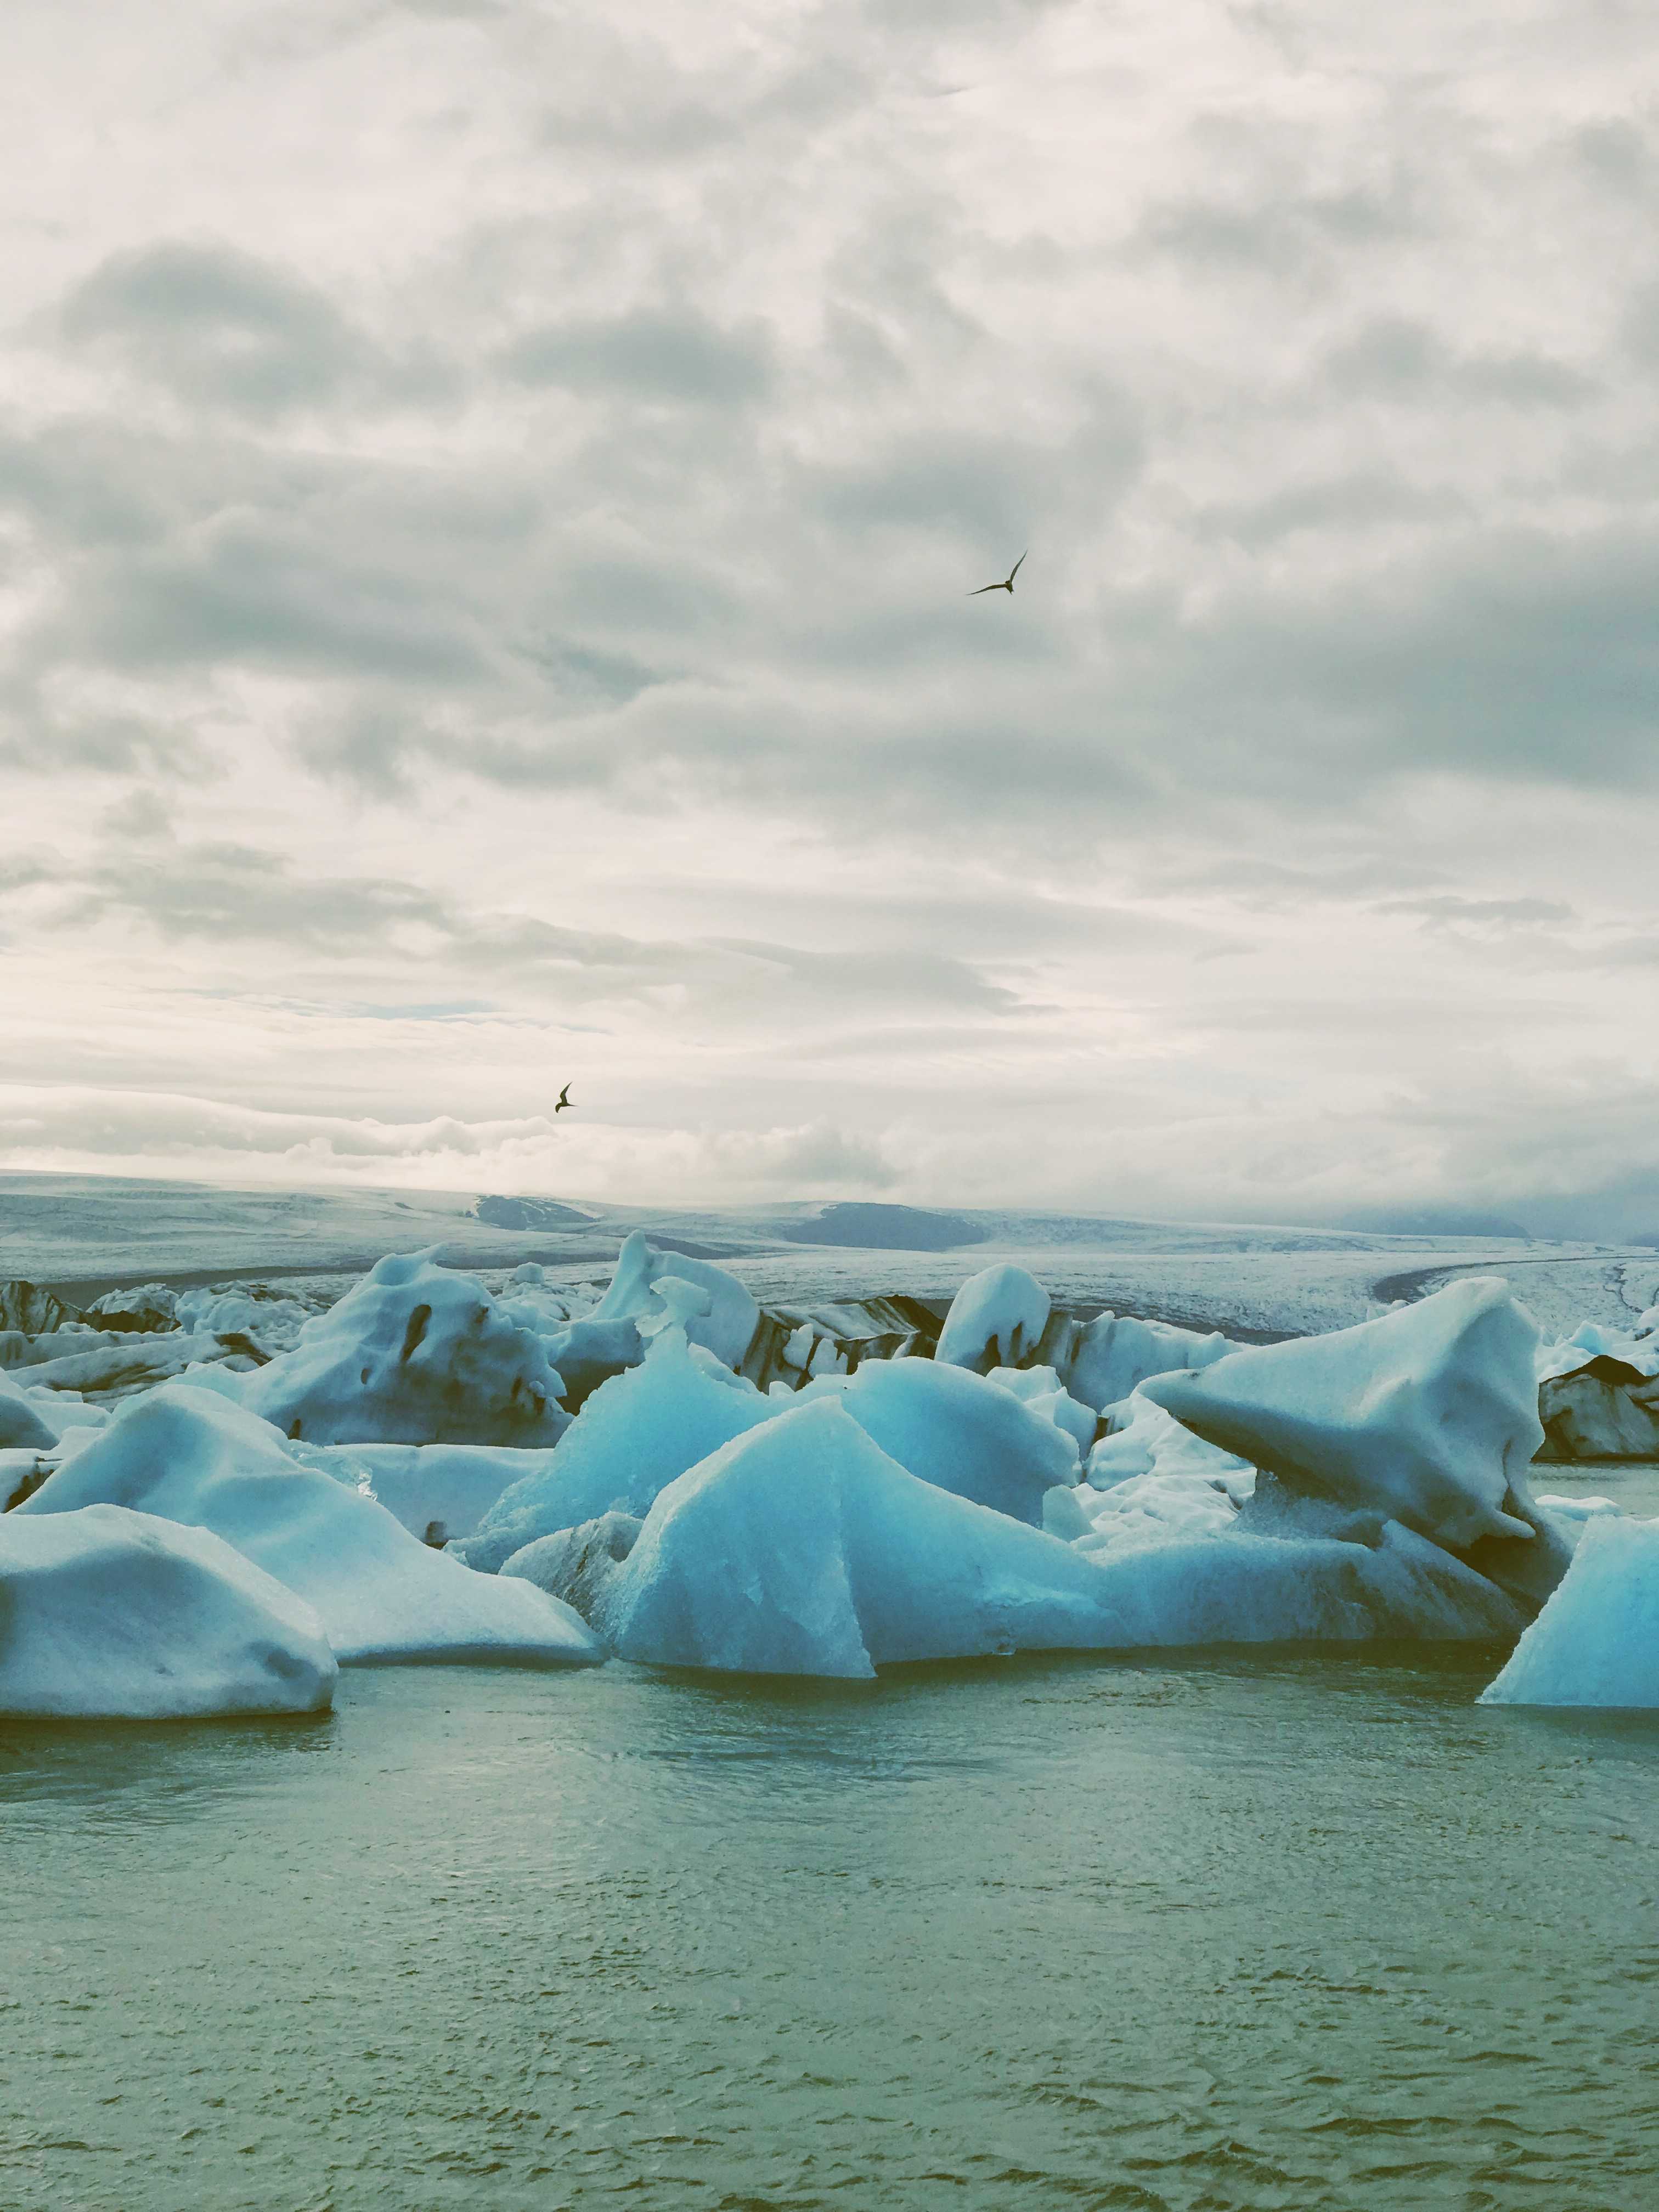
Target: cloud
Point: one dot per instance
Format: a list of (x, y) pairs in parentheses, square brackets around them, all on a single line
[(62, 1129), (1400, 358), (515, 554), (217, 325), (1448, 909), (666, 357)]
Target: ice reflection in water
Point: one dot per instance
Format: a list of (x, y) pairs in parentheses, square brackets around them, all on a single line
[(1233, 1931)]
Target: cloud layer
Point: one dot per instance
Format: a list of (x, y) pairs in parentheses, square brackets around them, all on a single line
[(488, 501)]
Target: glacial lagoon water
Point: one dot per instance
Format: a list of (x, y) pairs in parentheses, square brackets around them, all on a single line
[(1294, 1930)]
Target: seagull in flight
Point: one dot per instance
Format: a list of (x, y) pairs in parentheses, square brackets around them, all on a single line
[(565, 1099), (1008, 586)]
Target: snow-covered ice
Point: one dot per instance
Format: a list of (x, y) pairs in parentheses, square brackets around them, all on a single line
[(996, 1315), (1371, 1482), (109, 1613), (1596, 1641), (192, 1456), (415, 1354)]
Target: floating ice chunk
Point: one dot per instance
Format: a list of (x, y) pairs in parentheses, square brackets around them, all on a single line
[(261, 1318), (1063, 1515), (582, 1567), (193, 1457), (118, 1614), (958, 1432), (1152, 1508), (724, 1327), (1579, 1509), (1637, 1348), (996, 1315), (1596, 1641), (1236, 1585), (1041, 1389), (414, 1354), (21, 1472), (23, 1426), (438, 1491), (717, 1371), (1603, 1411), (803, 1549), (635, 1433), (1116, 1352), (1429, 1414), (531, 1302), (588, 1352), (147, 1307), (31, 1311), (1145, 1439)]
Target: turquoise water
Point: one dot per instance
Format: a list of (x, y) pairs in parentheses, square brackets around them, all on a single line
[(1292, 1931)]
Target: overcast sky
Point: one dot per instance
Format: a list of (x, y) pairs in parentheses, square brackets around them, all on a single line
[(488, 494)]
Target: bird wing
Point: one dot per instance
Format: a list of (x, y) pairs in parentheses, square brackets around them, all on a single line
[(564, 1097), (1017, 566), (983, 589)]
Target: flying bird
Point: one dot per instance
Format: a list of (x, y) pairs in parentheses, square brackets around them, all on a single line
[(1008, 586), (565, 1100)]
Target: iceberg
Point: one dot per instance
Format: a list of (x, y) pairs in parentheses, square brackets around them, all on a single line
[(582, 1567), (792, 1344), (1144, 1439), (438, 1491), (254, 1319), (1041, 1390), (21, 1472), (1596, 1641), (1429, 1414), (996, 1316), (1604, 1409), (23, 1426), (413, 1354), (1112, 1355), (637, 1433), (959, 1431), (802, 1548), (723, 1325), (31, 1311), (1635, 1348), (107, 1614), (191, 1456), (117, 1367)]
